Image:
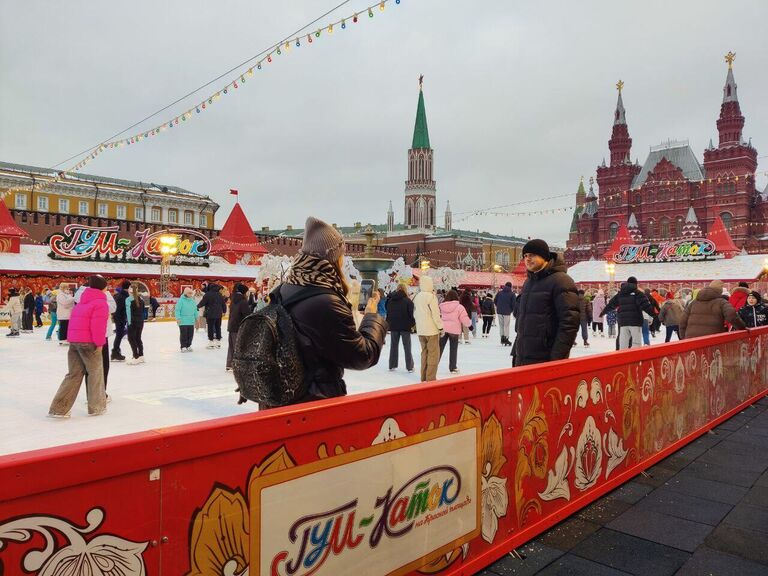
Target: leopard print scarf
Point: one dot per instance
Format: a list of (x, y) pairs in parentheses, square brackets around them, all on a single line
[(308, 270)]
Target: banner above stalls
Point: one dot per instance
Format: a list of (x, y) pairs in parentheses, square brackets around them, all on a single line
[(79, 242), (693, 249)]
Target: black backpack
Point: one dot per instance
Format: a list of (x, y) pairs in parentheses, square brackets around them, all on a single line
[(267, 364)]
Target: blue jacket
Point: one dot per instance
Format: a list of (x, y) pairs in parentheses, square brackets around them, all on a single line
[(186, 311), (505, 301)]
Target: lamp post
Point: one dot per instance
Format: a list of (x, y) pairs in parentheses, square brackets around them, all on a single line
[(169, 246), (610, 268), (496, 270)]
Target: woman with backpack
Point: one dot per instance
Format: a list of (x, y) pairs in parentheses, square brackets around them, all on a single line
[(135, 308), (488, 310), (315, 297)]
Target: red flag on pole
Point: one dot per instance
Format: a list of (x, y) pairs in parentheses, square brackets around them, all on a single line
[(233, 191)]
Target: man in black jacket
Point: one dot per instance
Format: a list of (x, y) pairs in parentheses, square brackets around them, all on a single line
[(547, 311), (631, 304), (120, 318), (401, 320), (238, 310), (505, 304), (214, 305)]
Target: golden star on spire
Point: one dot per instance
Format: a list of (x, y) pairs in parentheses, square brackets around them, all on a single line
[(620, 85), (730, 57)]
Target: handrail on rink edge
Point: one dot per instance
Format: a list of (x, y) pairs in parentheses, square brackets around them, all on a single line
[(552, 438)]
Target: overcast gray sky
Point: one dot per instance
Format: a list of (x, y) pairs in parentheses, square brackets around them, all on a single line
[(519, 96)]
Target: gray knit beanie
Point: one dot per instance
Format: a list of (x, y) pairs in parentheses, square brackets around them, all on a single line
[(322, 240)]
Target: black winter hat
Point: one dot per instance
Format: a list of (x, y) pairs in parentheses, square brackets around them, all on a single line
[(757, 296), (631, 280), (97, 281), (538, 247)]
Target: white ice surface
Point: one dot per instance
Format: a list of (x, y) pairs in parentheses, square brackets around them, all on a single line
[(173, 388)]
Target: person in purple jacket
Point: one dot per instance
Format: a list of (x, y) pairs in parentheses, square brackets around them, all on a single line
[(86, 334)]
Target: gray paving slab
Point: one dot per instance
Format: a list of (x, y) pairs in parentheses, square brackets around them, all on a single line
[(631, 554), (568, 533), (571, 565), (535, 557), (709, 489), (746, 544), (748, 518), (757, 496), (680, 505), (715, 563), (631, 492), (661, 528), (604, 510), (725, 474)]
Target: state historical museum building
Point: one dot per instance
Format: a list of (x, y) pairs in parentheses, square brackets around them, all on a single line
[(672, 189)]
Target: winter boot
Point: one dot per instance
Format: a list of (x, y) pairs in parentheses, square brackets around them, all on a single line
[(218, 343)]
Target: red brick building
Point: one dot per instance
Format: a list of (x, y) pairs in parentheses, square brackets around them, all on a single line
[(671, 186)]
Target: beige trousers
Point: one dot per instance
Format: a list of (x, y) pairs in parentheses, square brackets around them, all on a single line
[(82, 359), (430, 357)]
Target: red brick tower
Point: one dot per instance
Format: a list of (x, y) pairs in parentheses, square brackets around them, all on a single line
[(730, 168), (614, 180)]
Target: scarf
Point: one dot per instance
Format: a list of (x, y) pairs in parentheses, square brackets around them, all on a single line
[(308, 270)]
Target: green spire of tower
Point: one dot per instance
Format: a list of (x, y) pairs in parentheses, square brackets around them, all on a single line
[(420, 131)]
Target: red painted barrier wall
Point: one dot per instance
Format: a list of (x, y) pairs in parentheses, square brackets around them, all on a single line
[(552, 438)]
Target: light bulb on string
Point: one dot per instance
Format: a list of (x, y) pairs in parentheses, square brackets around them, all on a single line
[(278, 51), (269, 58), (330, 28), (354, 18), (309, 38), (381, 6), (225, 90), (343, 24), (297, 43), (370, 13), (317, 34)]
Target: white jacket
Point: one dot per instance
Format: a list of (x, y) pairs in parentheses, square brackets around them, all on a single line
[(14, 306), (64, 304), (426, 309)]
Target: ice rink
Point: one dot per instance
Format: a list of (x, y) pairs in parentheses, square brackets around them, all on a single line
[(174, 388)]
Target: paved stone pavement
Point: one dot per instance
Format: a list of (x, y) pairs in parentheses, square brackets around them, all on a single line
[(702, 511)]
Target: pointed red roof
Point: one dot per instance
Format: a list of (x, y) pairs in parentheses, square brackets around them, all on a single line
[(622, 237), (237, 236), (7, 226), (722, 240)]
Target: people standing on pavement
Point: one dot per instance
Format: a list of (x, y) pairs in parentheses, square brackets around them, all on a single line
[(238, 310), (65, 302), (708, 314), (15, 309), (488, 310), (120, 318), (135, 308), (670, 315), (186, 315), (455, 321), (585, 316), (88, 325), (52, 313), (754, 313), (505, 305), (401, 322), (429, 326), (328, 339), (214, 305), (630, 303), (547, 313), (598, 305)]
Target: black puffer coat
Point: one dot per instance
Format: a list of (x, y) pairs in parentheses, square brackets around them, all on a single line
[(238, 310), (213, 302), (329, 342), (631, 304), (400, 312), (120, 316), (546, 315)]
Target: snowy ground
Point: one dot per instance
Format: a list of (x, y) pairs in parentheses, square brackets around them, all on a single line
[(172, 388)]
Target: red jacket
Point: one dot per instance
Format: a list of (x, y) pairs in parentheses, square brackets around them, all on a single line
[(88, 322), (739, 298)]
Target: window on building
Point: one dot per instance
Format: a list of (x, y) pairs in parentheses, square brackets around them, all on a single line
[(173, 216), (42, 203), (663, 194), (120, 213), (679, 227), (103, 210), (82, 208), (506, 258), (188, 218), (651, 230), (664, 227), (21, 201), (613, 229), (157, 214), (203, 220), (727, 219), (638, 200), (499, 257), (138, 214), (63, 206)]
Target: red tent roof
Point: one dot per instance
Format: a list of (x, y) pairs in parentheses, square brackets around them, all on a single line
[(7, 226), (719, 235), (237, 235), (520, 269), (622, 237)]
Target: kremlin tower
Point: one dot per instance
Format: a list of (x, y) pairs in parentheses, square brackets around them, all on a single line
[(420, 191)]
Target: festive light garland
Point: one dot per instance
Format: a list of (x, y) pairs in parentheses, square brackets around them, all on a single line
[(234, 84)]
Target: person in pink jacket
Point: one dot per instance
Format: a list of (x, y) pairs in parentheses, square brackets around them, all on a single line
[(86, 334), (454, 316)]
